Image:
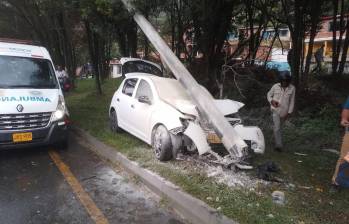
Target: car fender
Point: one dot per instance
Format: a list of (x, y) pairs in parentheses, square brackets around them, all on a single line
[(198, 136), (113, 101), (165, 115), (253, 134), (112, 104)]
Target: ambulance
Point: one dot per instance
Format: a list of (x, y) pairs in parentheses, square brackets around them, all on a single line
[(32, 107)]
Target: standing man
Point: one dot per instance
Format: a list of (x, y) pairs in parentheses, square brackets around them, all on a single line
[(281, 98), (344, 154), (61, 74), (319, 58)]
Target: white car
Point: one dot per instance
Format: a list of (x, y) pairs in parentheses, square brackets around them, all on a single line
[(158, 111)]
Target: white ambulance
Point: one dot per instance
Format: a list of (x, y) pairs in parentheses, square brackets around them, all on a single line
[(32, 106)]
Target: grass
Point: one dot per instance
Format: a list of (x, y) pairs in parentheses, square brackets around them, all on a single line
[(307, 134)]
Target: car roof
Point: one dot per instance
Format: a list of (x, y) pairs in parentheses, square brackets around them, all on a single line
[(23, 50), (167, 88)]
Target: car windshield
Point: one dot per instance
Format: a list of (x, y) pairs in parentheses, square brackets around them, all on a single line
[(21, 72), (170, 89), (141, 67)]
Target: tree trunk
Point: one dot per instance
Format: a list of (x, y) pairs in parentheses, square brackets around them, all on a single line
[(345, 50), (132, 39), (334, 37), (92, 38), (315, 19)]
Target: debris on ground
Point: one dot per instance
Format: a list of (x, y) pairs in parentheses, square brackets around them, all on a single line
[(300, 154), (305, 187), (267, 170), (278, 197), (231, 178), (290, 186), (331, 151), (270, 216)]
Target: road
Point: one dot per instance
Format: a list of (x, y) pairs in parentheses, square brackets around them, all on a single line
[(49, 185)]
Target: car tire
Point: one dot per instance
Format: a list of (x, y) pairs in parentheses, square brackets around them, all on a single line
[(161, 143), (113, 122)]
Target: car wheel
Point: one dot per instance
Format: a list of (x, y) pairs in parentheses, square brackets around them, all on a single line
[(113, 122), (162, 144)]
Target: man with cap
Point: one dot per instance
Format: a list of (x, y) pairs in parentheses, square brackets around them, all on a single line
[(281, 98)]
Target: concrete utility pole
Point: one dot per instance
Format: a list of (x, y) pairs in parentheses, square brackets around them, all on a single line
[(204, 100)]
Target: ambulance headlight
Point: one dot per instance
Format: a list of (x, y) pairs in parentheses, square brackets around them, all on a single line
[(58, 115), (61, 110)]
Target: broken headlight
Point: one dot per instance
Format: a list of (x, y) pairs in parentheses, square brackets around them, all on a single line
[(233, 119), (185, 120), (254, 145)]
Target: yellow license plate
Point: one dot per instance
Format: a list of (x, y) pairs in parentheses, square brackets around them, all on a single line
[(22, 137), (213, 138)]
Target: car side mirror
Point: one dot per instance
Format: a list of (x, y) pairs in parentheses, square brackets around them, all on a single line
[(144, 99)]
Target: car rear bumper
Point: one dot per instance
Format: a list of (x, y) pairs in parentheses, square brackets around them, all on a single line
[(52, 134)]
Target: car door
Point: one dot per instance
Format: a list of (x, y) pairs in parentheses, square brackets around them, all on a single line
[(144, 105), (124, 102)]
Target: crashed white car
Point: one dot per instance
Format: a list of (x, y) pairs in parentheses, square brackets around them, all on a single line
[(158, 111)]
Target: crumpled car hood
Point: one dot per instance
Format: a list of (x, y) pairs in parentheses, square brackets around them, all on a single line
[(184, 106), (226, 106)]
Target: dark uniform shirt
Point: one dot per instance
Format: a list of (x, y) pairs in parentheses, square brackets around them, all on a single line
[(346, 105)]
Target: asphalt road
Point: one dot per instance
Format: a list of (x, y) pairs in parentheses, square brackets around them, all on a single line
[(49, 185)]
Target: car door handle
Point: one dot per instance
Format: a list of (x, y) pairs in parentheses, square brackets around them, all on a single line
[(132, 106), (117, 99)]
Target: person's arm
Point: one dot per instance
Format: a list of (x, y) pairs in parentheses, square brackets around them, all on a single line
[(291, 106), (345, 114), (270, 94), (345, 118)]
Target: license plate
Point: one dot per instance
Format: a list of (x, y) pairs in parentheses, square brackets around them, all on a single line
[(213, 138), (22, 137)]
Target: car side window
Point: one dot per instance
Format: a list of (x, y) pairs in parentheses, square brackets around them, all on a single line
[(144, 89), (129, 86)]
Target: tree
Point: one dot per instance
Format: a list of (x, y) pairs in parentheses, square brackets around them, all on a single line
[(49, 22), (339, 27)]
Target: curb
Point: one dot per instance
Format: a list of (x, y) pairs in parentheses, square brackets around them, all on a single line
[(192, 209)]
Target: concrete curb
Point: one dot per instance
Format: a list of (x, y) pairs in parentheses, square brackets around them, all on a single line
[(193, 209)]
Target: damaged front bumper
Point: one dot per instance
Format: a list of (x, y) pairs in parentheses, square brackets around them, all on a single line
[(203, 140)]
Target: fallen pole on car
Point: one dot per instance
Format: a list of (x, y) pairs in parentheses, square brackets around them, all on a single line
[(203, 99)]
